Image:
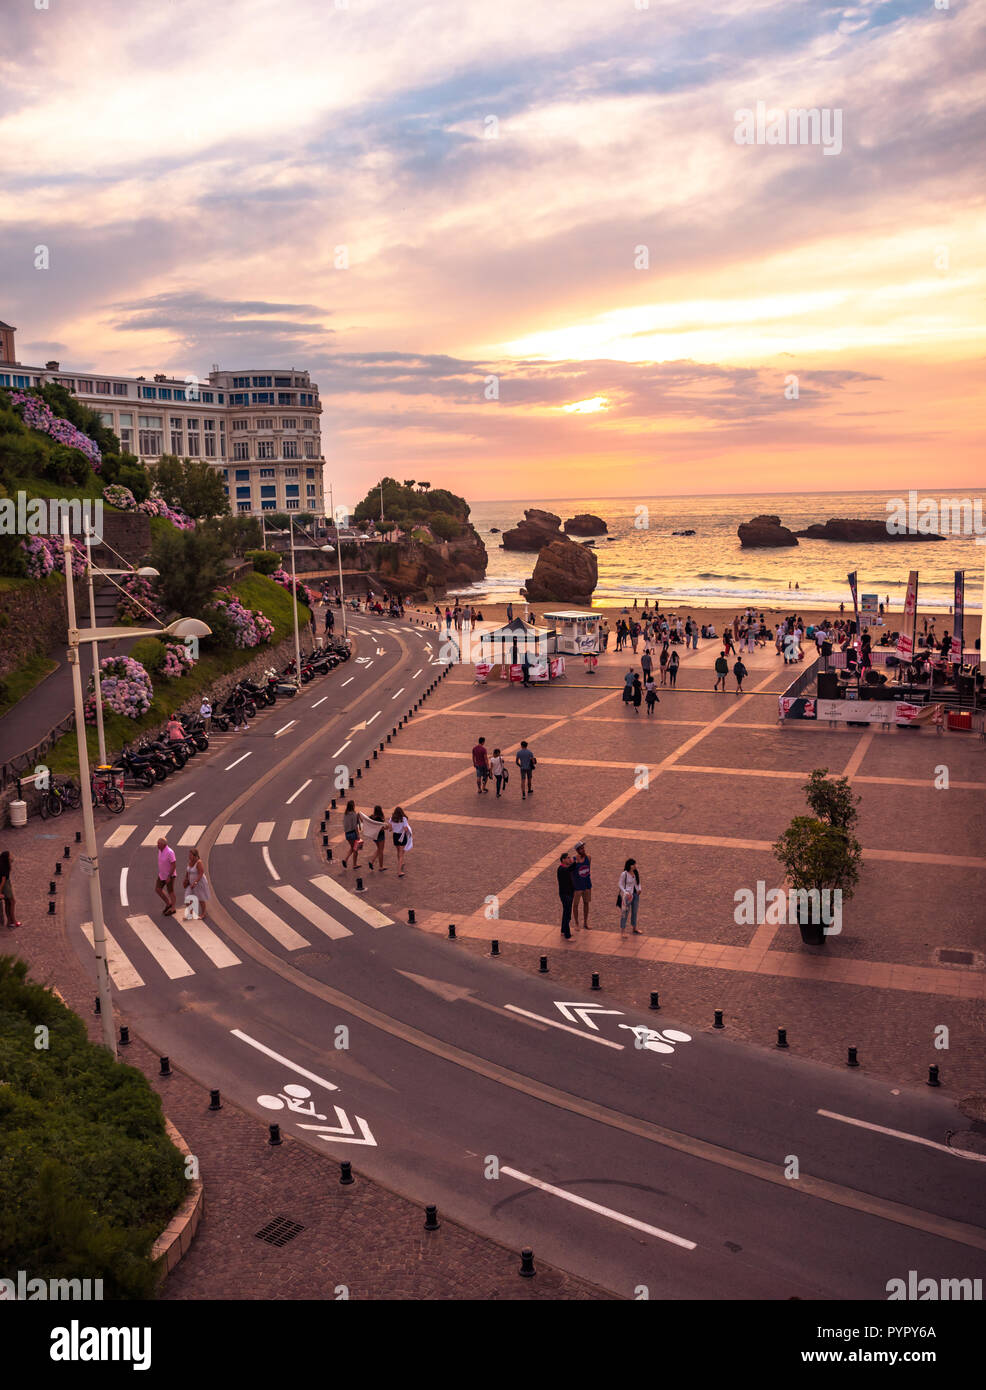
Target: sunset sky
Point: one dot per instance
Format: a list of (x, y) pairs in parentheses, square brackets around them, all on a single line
[(410, 199)]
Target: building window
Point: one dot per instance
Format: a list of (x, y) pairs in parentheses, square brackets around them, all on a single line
[(309, 472), (208, 425), (151, 442), (282, 381), (210, 446), (289, 424), (291, 505), (262, 397), (242, 475), (268, 506), (180, 394), (265, 424), (175, 422), (291, 490), (310, 450), (309, 424), (194, 445), (241, 424), (148, 393), (120, 388), (311, 489), (269, 490), (239, 398), (126, 418), (265, 449), (290, 449), (243, 507), (268, 473), (206, 397), (241, 381), (22, 381), (241, 451), (243, 491), (290, 472), (261, 381), (85, 386), (285, 398), (192, 423), (165, 393), (102, 388), (222, 446), (176, 441)]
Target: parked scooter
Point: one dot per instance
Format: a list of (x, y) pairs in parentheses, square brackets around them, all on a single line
[(281, 686), (144, 771)]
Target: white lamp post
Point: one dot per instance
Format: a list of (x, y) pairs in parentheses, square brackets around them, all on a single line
[(294, 608), (342, 597)]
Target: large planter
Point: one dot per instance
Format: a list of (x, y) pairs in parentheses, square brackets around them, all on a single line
[(812, 933)]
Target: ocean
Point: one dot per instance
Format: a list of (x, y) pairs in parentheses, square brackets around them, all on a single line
[(712, 569)]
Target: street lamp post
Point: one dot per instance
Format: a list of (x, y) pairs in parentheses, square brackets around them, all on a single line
[(342, 597), (294, 596)]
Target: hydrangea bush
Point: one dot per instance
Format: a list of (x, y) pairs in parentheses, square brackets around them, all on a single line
[(126, 688), (138, 601), (177, 660), (301, 591), (43, 555), (116, 495), (250, 627), (38, 416)]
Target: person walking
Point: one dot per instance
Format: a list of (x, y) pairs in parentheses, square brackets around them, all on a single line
[(481, 763), (651, 697), (673, 663), (8, 905), (403, 839), (527, 762), (646, 663), (627, 693), (525, 667), (637, 694), (196, 885), (165, 886), (566, 891), (722, 671), (739, 671), (379, 839), (351, 822), (499, 770), (329, 621), (662, 661), (582, 881), (629, 896)]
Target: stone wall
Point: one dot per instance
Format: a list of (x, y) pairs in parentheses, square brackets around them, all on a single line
[(33, 619), (129, 533)]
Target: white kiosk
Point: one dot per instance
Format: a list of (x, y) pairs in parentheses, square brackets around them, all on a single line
[(576, 631)]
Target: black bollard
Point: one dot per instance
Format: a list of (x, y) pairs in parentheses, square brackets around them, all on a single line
[(375, 755), (124, 1036), (381, 745), (333, 803), (451, 931), (359, 772), (595, 980), (215, 1103), (346, 1178), (494, 947), (388, 736), (782, 1037), (718, 1019), (655, 1002), (165, 1067), (852, 1062), (933, 1077), (432, 1222), (359, 885), (328, 855), (410, 916), (323, 827), (325, 841), (275, 1135), (527, 1263), (66, 853), (543, 967), (58, 867), (366, 761), (51, 887), (51, 907), (78, 837), (97, 1008)]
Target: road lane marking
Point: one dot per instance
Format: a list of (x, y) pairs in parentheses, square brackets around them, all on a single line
[(270, 867), (553, 1023), (346, 682), (191, 836), (299, 828), (158, 833), (238, 761), (174, 965), (343, 748), (122, 972), (356, 905), (285, 1061), (371, 718), (298, 792), (417, 673), (227, 834), (208, 942), (290, 725), (311, 913), (262, 832), (124, 900), (179, 803), (319, 702), (399, 692), (900, 1134), (602, 1211), (270, 922), (120, 836)]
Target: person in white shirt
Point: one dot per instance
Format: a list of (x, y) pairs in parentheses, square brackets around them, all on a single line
[(629, 895)]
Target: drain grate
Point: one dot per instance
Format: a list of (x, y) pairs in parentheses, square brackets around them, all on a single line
[(279, 1231), (956, 957)]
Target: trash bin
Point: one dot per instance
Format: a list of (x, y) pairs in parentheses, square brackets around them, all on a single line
[(18, 813)]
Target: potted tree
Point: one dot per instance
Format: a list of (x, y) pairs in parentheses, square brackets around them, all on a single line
[(820, 852)]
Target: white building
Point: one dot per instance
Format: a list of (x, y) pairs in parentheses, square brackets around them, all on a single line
[(258, 427)]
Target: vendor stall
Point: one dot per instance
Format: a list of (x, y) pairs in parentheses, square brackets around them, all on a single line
[(575, 631), (506, 646)]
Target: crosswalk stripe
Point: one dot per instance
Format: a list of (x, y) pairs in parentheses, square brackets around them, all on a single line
[(262, 833), (156, 834), (227, 834), (299, 829), (264, 917), (120, 836), (311, 913), (192, 835), (208, 942), (167, 957), (355, 904), (122, 972)]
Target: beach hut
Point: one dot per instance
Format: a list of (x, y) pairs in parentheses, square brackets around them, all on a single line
[(575, 631), (505, 646)]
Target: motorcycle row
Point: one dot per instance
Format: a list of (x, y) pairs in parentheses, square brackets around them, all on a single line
[(154, 759)]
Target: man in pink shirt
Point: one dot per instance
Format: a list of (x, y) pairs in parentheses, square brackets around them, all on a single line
[(166, 876)]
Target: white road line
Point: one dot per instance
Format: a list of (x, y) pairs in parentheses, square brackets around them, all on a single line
[(319, 702), (290, 725), (227, 834), (208, 942), (311, 913), (299, 829), (356, 905), (554, 1023), (399, 692), (270, 867), (343, 748), (159, 832), (179, 803), (900, 1134), (270, 922), (122, 973), (368, 664), (191, 836), (238, 761), (298, 792), (120, 836), (602, 1211), (124, 900), (417, 673), (346, 682), (174, 965), (371, 719), (285, 1061), (262, 832)]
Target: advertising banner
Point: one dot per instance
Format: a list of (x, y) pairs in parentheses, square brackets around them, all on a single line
[(796, 707), (955, 654), (556, 667), (854, 587), (869, 711), (905, 642), (538, 671), (869, 607)]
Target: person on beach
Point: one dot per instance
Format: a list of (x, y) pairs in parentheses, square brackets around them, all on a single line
[(566, 891), (582, 881), (650, 695), (403, 839), (380, 825), (662, 661), (739, 671), (637, 694), (673, 663), (722, 671), (499, 770), (629, 896), (196, 885), (8, 905), (527, 762), (165, 886), (351, 822), (481, 763)]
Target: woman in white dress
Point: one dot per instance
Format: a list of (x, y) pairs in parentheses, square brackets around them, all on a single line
[(403, 839), (196, 886)]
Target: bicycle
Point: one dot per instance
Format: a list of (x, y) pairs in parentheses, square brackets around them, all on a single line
[(106, 793), (57, 798)]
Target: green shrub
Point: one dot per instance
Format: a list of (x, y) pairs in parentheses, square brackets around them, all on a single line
[(264, 561)]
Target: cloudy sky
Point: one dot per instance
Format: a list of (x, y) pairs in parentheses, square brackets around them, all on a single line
[(467, 218)]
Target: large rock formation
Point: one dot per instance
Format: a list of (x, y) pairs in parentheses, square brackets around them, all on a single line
[(585, 524), (765, 530), (566, 572), (842, 528), (535, 531)]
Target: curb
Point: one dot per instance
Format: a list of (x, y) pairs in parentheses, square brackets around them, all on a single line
[(176, 1238)]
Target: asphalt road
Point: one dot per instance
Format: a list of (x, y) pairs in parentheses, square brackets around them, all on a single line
[(616, 1144)]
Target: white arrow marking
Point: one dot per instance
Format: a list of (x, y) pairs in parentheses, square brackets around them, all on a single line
[(344, 1132), (360, 725), (579, 1013), (381, 651)]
